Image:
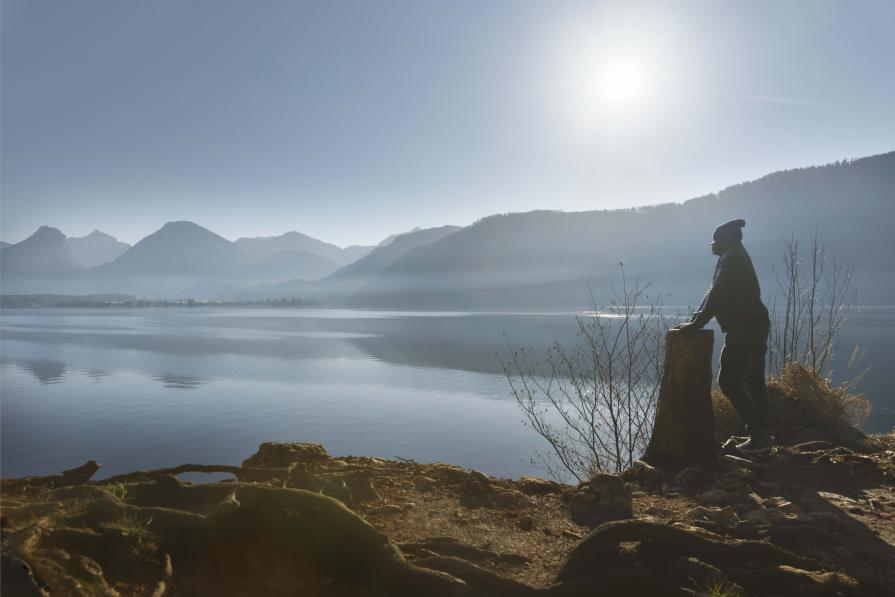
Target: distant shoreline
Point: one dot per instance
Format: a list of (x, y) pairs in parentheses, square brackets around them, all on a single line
[(123, 301)]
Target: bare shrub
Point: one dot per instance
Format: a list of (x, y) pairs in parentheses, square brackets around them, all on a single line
[(814, 294), (594, 402)]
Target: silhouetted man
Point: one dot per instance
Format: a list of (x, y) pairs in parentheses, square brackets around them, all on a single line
[(734, 299)]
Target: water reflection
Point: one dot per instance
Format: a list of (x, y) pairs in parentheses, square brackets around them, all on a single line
[(283, 345), (45, 371), (179, 382), (97, 375)]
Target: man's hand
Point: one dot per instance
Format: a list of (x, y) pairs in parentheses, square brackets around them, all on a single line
[(688, 328)]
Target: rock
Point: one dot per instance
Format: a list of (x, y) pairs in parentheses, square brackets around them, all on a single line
[(779, 516), (723, 516), (776, 502), (603, 498), (697, 512), (424, 484), (691, 477), (511, 499), (538, 486), (281, 455), (582, 502), (714, 497), (473, 493), (727, 516), (480, 476), (526, 523), (757, 518), (388, 510), (644, 474), (737, 480), (358, 483)]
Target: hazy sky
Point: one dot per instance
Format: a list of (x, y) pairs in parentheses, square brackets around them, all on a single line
[(349, 121)]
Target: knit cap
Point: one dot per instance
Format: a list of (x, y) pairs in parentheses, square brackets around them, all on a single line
[(732, 230)]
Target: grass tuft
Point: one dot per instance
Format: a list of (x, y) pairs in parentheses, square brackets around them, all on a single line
[(799, 398)]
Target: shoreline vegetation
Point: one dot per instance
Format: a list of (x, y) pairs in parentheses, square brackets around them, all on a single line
[(816, 518), (126, 301)]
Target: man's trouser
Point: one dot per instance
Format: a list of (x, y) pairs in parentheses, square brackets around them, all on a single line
[(742, 377)]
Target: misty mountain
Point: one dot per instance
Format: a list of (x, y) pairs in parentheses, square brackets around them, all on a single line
[(352, 253), (96, 248), (540, 259), (550, 259), (350, 278), (179, 249), (43, 254), (263, 247), (286, 265), (4, 244), (183, 259), (388, 239)]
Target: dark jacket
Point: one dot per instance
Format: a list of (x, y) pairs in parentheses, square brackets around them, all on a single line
[(734, 298)]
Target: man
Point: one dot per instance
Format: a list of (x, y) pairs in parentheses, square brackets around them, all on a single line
[(734, 299)]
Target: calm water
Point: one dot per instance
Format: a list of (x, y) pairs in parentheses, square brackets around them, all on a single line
[(148, 388)]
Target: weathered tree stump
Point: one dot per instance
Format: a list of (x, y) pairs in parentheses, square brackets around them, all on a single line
[(684, 433)]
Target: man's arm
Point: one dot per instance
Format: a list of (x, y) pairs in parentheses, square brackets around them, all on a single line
[(716, 294)]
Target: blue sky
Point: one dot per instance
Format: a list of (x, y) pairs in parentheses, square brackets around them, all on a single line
[(350, 121)]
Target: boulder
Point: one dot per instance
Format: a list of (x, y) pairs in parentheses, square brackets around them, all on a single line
[(538, 486), (603, 498), (691, 477), (644, 474), (511, 499), (281, 455), (714, 497)]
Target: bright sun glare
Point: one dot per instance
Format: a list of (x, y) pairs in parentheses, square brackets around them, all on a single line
[(601, 88), (619, 82)]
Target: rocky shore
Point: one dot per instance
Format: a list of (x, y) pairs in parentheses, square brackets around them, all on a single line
[(814, 518)]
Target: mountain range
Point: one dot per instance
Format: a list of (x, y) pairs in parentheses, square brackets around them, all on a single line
[(549, 258), (266, 246), (539, 259), (96, 248)]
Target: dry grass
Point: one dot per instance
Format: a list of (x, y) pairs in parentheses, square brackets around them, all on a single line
[(798, 398)]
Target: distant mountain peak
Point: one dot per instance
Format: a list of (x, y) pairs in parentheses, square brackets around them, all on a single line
[(96, 248), (181, 225), (48, 233), (43, 253)]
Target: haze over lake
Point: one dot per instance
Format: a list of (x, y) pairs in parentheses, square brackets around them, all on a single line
[(146, 388)]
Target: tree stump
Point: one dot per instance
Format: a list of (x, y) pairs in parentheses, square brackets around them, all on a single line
[(684, 432)]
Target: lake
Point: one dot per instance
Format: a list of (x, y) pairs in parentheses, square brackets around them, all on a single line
[(149, 388)]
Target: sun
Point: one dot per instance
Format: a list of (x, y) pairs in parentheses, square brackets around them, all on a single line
[(619, 82), (600, 88)]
